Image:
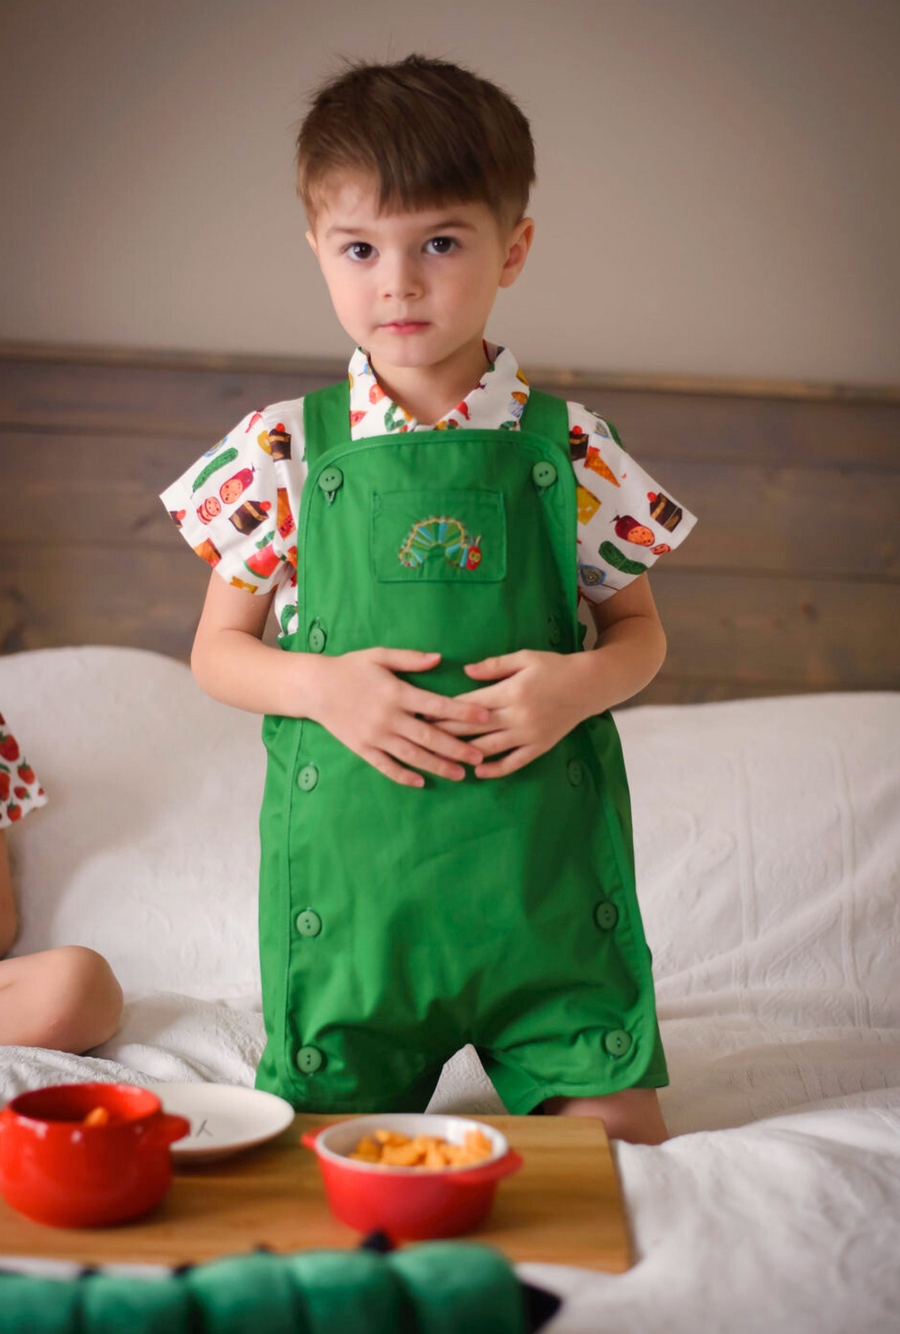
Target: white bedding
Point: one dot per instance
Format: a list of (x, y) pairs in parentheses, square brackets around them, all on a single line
[(768, 877)]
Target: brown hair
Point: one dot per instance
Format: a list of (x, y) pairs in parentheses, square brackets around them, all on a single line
[(428, 131)]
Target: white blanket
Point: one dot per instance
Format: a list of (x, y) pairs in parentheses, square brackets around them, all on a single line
[(767, 875)]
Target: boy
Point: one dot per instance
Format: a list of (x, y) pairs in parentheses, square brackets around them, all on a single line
[(418, 528)]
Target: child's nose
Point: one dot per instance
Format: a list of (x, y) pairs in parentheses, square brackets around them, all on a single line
[(401, 279)]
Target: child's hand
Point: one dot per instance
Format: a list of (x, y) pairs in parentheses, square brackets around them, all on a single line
[(374, 713), (531, 709)]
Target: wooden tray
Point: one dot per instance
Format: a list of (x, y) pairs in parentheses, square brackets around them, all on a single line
[(563, 1206)]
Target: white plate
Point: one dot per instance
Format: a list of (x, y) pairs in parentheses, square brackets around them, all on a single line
[(225, 1118)]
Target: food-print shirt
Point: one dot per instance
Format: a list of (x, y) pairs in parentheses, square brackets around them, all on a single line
[(20, 791), (238, 504)]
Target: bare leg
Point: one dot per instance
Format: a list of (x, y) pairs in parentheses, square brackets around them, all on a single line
[(66, 999), (633, 1114)]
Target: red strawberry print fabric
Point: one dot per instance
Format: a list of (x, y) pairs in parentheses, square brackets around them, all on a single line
[(20, 790)]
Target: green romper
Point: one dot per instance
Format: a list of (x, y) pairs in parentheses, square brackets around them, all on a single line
[(398, 924)]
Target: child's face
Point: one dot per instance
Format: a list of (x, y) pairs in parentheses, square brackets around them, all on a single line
[(415, 267)]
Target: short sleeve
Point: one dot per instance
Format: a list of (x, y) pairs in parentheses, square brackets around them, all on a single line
[(226, 506), (20, 790), (626, 519)]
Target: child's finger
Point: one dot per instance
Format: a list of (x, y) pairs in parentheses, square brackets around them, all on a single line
[(457, 728), (449, 706)]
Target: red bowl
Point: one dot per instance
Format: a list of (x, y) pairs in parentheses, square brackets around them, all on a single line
[(57, 1170), (406, 1202)]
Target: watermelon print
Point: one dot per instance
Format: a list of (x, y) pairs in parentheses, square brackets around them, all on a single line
[(626, 520)]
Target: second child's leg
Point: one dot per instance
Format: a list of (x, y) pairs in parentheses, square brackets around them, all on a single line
[(633, 1114), (65, 999)]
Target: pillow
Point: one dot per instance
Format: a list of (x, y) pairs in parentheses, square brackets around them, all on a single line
[(147, 849), (767, 849)]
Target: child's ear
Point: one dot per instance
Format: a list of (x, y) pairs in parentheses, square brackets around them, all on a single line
[(312, 241)]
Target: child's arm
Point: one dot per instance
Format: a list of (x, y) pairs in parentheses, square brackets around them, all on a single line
[(630, 649), (231, 664), (7, 902)]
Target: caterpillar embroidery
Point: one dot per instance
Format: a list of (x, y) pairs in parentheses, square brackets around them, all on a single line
[(441, 531)]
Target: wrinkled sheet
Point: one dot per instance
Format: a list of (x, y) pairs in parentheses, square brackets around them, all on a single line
[(768, 862)]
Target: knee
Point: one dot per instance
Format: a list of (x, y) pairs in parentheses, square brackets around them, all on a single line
[(88, 998), (633, 1115)]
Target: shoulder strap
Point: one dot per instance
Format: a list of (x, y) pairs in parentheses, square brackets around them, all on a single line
[(326, 420), (546, 415)]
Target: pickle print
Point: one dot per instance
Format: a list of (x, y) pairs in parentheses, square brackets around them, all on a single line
[(441, 531), (395, 418), (613, 556), (228, 457)]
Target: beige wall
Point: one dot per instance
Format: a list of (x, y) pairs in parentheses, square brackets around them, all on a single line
[(718, 191)]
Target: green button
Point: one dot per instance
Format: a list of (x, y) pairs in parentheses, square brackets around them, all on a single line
[(544, 473), (575, 772), (308, 777), (330, 479), (606, 915), (309, 923), (617, 1042), (309, 1060), (316, 639)]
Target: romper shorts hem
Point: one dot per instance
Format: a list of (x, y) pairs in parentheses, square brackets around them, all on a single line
[(520, 1093), (520, 1096), (414, 1097)]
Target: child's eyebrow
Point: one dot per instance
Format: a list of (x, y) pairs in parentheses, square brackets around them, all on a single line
[(431, 227)]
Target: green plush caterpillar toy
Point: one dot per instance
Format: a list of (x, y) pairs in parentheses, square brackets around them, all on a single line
[(436, 1287)]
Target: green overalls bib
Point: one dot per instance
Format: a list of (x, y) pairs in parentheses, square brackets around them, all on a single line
[(398, 924)]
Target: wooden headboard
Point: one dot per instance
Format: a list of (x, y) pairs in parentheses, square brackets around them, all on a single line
[(788, 583)]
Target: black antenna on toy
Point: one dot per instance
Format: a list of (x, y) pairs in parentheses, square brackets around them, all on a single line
[(376, 1241)]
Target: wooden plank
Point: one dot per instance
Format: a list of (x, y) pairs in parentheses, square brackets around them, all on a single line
[(105, 489), (564, 377), (124, 596), (203, 405), (820, 634), (788, 583), (771, 433), (563, 1206), (748, 629), (137, 401)]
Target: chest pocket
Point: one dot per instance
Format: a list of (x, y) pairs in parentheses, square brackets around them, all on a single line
[(439, 534)]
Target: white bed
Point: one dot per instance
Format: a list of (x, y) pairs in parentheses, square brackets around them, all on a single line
[(768, 873)]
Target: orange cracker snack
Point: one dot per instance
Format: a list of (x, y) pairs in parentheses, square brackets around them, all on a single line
[(97, 1116), (426, 1152)]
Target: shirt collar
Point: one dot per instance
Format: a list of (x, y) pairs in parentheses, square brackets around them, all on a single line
[(496, 402)]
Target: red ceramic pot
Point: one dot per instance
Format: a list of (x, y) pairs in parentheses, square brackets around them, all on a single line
[(57, 1170), (406, 1202)]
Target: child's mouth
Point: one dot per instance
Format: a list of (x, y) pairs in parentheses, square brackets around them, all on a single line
[(406, 326)]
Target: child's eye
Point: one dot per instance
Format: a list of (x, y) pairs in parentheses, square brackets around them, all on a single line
[(443, 238), (364, 245)]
